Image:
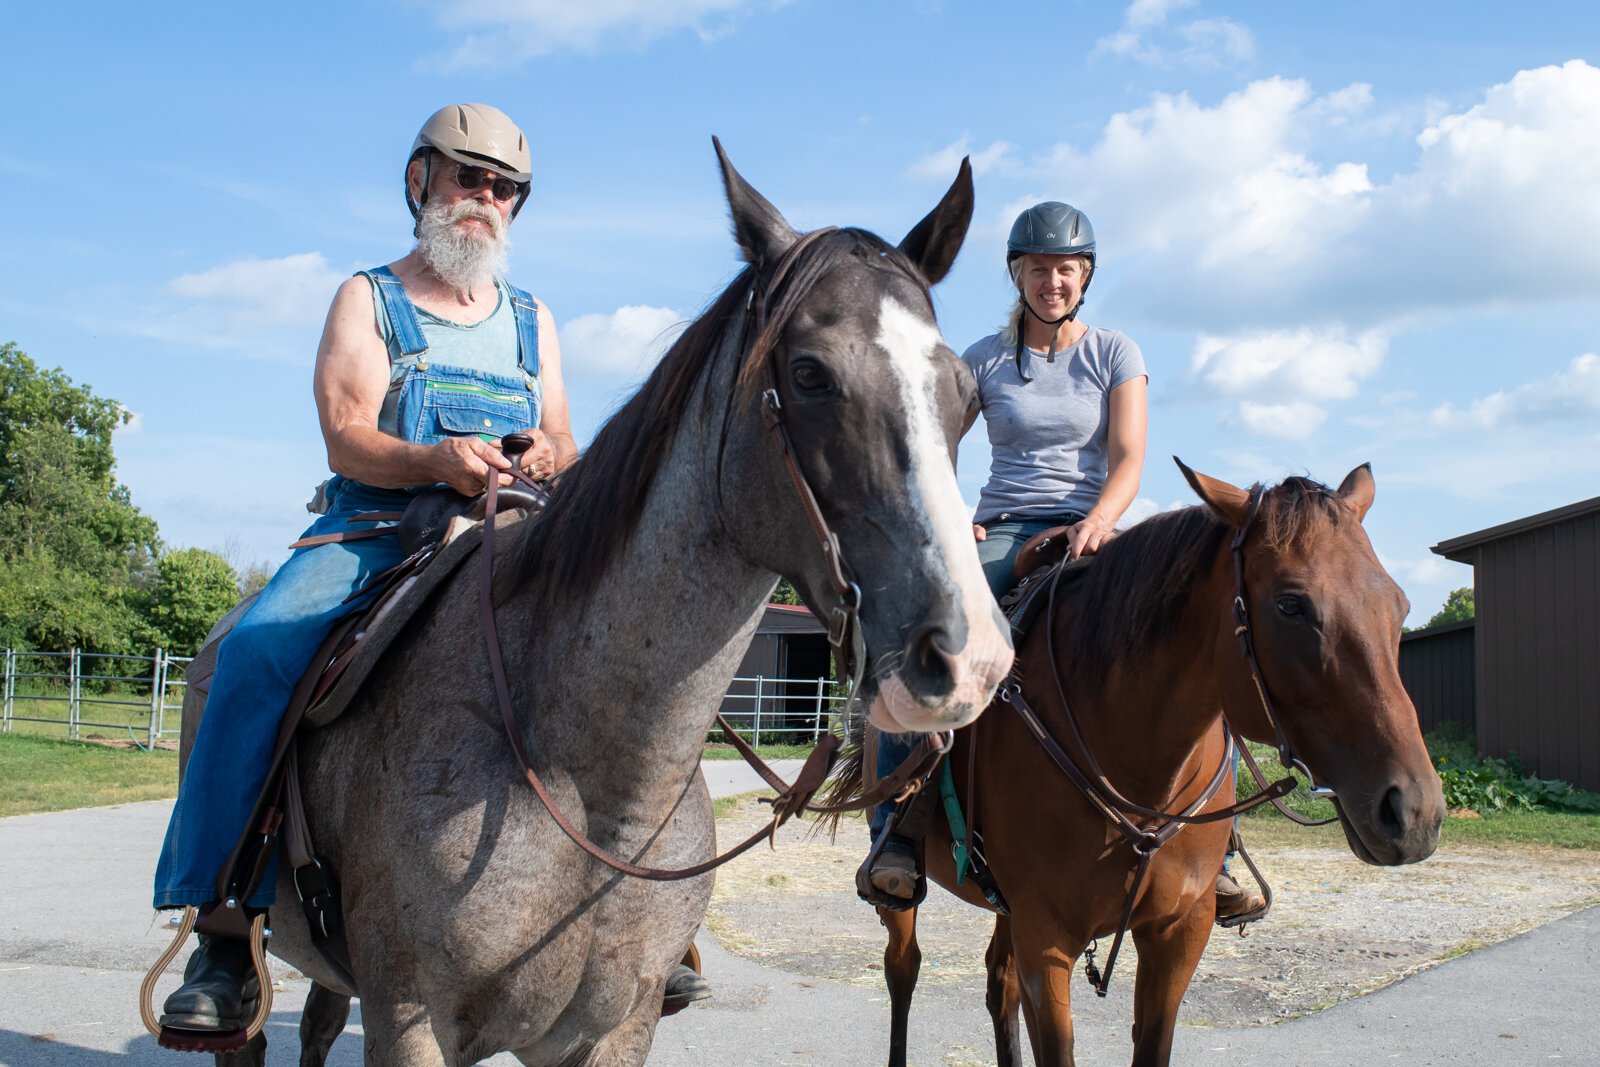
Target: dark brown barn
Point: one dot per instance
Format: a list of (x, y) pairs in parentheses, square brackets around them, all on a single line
[(1536, 585), (786, 657)]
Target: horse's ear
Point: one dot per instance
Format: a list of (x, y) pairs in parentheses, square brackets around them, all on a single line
[(1230, 503), (1358, 489), (933, 243), (758, 227)]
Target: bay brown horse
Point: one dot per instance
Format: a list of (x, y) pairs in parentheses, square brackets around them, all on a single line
[(1145, 644)]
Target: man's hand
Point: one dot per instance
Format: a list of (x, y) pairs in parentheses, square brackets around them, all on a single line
[(1085, 537), (979, 533), (463, 463), (539, 460)]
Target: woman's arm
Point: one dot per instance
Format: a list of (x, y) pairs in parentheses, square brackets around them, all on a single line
[(1127, 420)]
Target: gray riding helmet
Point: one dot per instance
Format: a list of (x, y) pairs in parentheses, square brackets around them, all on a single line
[(1051, 229)]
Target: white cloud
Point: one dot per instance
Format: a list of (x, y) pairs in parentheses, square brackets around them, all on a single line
[(623, 345), (1285, 379), (1294, 421), (1573, 394), (293, 289), (269, 307), (515, 30), (1238, 224), (943, 163), (1146, 37), (1306, 364)]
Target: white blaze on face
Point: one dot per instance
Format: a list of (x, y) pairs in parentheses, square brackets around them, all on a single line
[(936, 504)]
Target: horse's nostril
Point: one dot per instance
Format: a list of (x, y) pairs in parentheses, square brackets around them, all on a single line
[(1390, 819), (929, 651)]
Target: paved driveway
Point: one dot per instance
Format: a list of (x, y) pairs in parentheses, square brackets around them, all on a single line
[(76, 934)]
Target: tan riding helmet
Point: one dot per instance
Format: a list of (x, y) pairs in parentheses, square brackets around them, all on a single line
[(476, 135)]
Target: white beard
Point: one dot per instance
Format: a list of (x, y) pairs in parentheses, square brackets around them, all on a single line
[(462, 256)]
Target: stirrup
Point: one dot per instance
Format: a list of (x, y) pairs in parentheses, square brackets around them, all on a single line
[(207, 1040)]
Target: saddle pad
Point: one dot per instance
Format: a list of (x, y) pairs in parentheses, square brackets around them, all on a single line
[(392, 614), (1028, 597)]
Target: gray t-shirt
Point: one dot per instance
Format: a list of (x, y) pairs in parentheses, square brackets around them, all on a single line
[(1048, 436)]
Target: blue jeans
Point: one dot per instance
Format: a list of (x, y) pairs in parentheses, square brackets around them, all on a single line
[(997, 552), (258, 665)]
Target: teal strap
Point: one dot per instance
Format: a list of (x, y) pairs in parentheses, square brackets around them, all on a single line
[(958, 824)]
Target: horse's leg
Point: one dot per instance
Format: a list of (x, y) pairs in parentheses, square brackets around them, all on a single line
[(1003, 995), (1168, 954), (902, 961), (399, 1034), (1044, 974), (253, 1054), (321, 1021)]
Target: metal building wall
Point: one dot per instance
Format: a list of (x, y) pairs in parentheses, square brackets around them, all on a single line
[(1436, 665), (1538, 648)]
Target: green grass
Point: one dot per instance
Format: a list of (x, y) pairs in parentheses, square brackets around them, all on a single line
[(1510, 826), (48, 774), (766, 752)]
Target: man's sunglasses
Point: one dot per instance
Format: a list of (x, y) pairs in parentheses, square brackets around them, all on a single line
[(471, 179)]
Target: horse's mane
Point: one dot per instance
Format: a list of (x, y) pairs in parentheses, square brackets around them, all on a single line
[(1135, 591), (596, 503), (1141, 581)]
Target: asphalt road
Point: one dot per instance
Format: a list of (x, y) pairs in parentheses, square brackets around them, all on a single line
[(76, 934)]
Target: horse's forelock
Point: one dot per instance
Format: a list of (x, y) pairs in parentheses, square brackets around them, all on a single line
[(1290, 509)]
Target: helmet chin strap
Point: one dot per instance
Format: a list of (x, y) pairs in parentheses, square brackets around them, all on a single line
[(1055, 334)]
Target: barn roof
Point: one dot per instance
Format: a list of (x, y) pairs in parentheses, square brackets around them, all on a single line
[(1460, 548), (789, 619)]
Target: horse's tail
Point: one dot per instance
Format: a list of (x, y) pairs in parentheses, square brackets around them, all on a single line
[(845, 785)]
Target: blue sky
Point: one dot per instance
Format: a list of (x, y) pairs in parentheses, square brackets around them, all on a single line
[(1340, 232)]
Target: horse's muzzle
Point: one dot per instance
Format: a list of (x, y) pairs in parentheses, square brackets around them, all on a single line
[(1396, 825), (940, 685)]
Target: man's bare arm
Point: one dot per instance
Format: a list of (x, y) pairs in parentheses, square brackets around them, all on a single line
[(351, 379)]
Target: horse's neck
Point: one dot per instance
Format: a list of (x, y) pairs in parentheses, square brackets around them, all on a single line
[(641, 668), (1158, 710)]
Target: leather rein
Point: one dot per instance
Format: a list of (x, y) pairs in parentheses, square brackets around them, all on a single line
[(842, 619), (1118, 810)]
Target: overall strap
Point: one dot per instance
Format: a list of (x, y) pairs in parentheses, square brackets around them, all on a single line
[(405, 332), (527, 312)]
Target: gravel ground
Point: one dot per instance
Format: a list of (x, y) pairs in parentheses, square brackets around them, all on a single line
[(1338, 927)]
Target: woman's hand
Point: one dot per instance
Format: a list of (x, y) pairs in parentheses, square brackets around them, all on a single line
[(1085, 537), (979, 533)]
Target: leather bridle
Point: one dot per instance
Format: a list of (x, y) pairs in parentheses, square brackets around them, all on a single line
[(1119, 811), (842, 618)]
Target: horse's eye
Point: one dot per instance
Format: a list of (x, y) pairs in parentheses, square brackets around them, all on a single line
[(1291, 605), (809, 377)]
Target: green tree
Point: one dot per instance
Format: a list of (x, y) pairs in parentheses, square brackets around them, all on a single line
[(1458, 607), (75, 553), (193, 589), (785, 594)]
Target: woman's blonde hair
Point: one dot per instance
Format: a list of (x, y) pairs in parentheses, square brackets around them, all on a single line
[(1010, 329)]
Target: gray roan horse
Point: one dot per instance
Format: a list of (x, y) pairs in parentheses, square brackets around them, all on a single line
[(474, 925)]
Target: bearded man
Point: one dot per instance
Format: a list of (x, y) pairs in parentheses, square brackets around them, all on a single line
[(424, 365)]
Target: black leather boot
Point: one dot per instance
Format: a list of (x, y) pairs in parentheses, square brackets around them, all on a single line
[(219, 988), (684, 987)]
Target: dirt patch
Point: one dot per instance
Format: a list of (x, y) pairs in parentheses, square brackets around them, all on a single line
[(1339, 928)]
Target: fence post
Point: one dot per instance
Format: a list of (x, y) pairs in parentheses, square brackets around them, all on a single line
[(73, 711), (10, 690), (817, 733), (157, 686), (756, 733)]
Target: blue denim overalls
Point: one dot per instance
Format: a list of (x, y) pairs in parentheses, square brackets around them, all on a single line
[(264, 656)]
